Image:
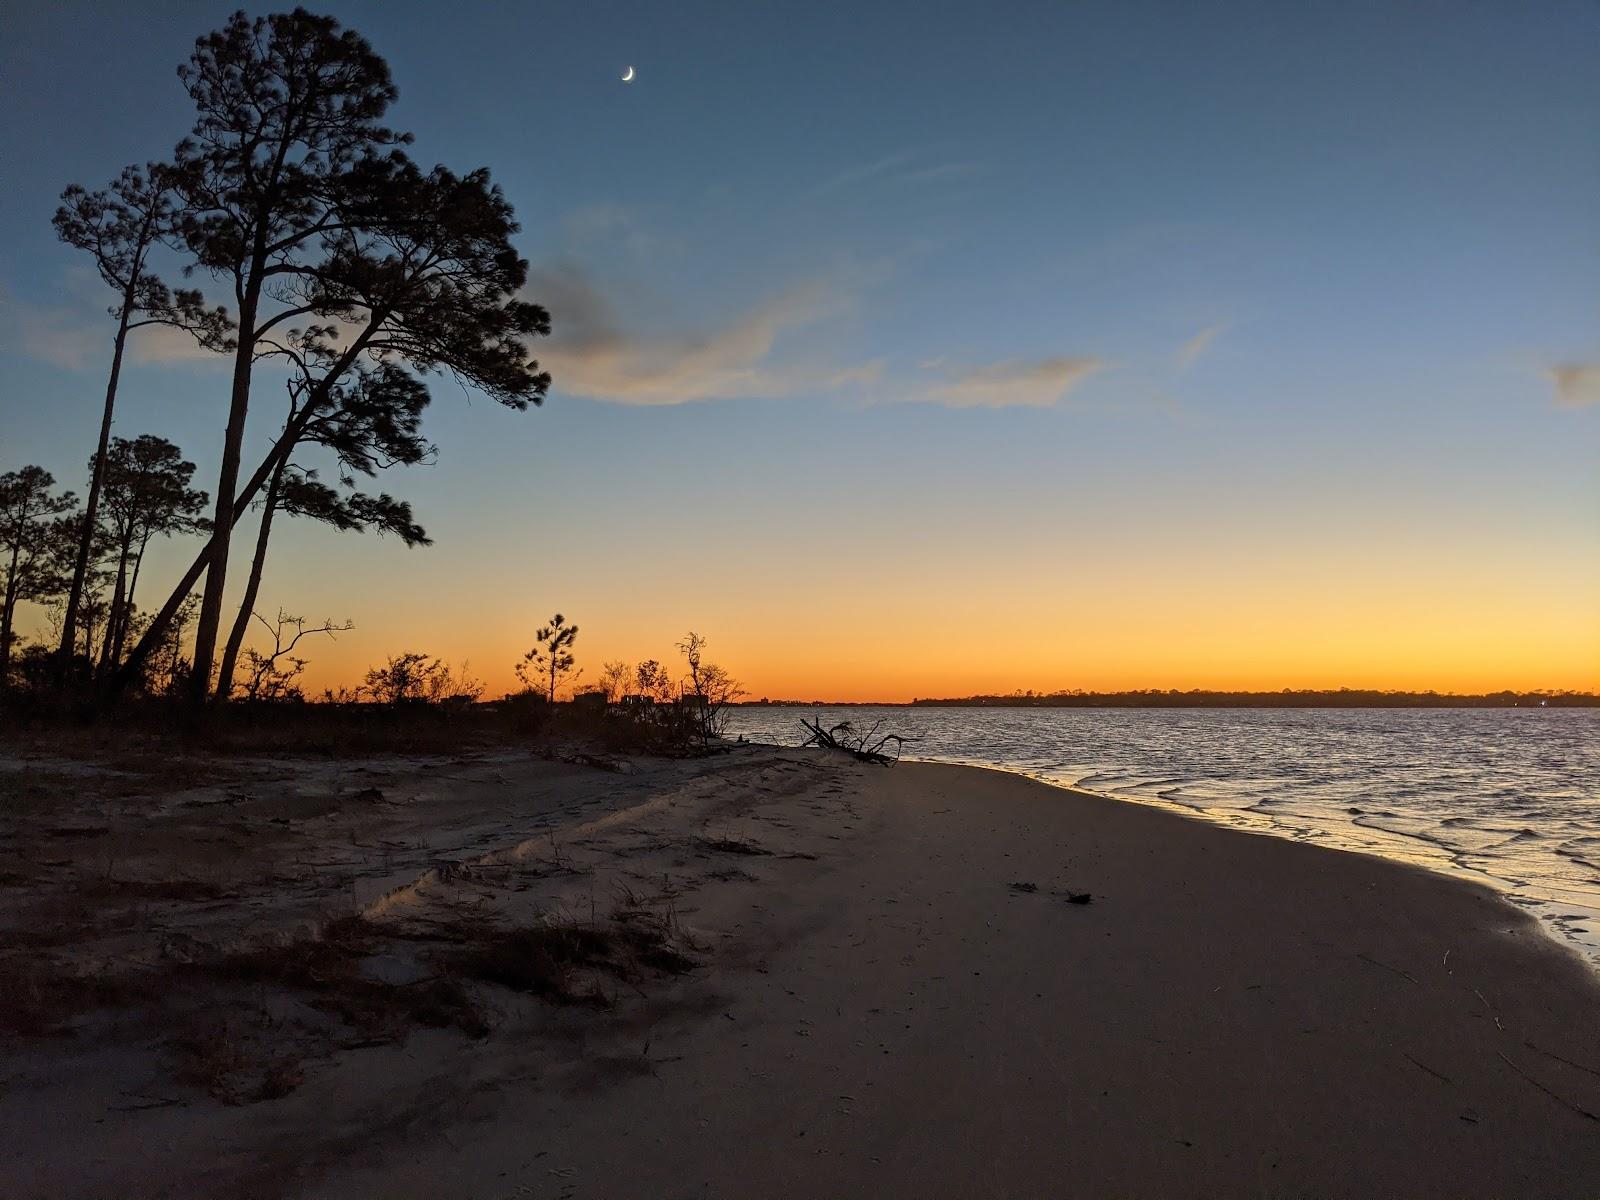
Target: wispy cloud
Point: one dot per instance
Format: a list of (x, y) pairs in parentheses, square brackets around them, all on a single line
[(51, 334), (592, 352), (953, 170), (161, 344), (904, 166), (589, 353), (611, 225), (860, 173), (1577, 385), (1013, 383), (1189, 353), (77, 336)]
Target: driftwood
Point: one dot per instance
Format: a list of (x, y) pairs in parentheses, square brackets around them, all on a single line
[(868, 746)]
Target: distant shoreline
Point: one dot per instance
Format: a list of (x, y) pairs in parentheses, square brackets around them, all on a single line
[(1342, 698)]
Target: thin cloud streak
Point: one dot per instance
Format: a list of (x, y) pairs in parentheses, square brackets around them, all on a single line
[(590, 354), (900, 167), (956, 170), (1196, 346), (859, 174), (51, 335), (79, 338), (1017, 383)]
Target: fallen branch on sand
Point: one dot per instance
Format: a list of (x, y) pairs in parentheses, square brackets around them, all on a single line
[(1559, 1099), (868, 746)]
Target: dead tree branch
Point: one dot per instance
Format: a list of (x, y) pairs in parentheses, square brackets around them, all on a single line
[(866, 745)]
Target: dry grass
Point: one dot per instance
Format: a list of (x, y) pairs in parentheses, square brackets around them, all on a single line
[(251, 1057), (40, 999), (327, 970), (237, 1061), (36, 1002), (568, 962), (248, 1022)]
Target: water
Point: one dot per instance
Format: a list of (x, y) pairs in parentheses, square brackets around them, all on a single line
[(1509, 797)]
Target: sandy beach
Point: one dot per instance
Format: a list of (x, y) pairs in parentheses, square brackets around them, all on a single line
[(816, 978)]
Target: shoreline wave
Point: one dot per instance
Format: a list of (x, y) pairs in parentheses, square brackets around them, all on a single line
[(1512, 808)]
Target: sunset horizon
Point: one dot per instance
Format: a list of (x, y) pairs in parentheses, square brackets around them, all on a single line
[(1207, 395), (916, 599)]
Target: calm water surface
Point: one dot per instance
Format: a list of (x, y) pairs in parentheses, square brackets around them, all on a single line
[(1510, 797)]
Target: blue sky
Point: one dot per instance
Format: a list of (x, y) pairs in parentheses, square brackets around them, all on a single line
[(1072, 292)]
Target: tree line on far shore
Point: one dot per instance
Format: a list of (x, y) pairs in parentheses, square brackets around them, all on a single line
[(1287, 698), (350, 271)]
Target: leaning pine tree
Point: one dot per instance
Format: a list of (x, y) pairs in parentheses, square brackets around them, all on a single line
[(120, 227), (287, 108), (420, 274), (370, 422)]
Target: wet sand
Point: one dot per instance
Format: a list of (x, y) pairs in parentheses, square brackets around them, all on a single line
[(895, 995)]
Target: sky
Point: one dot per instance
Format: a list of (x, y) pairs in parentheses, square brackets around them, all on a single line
[(929, 349)]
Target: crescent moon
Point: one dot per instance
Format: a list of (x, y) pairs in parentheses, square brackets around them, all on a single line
[(627, 76)]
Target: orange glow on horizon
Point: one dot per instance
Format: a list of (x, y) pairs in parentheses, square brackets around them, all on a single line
[(1099, 642), (1258, 599)]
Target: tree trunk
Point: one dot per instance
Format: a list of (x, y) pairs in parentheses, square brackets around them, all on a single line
[(205, 634), (91, 507), (127, 603), (88, 632), (284, 446), (230, 654), (158, 625), (118, 599), (7, 608)]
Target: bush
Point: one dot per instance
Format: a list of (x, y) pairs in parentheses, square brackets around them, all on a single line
[(526, 712)]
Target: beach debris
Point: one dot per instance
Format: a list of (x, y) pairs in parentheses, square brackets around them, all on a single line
[(728, 845), (1027, 888), (1367, 958), (1579, 1109), (865, 745), (1422, 1066), (1559, 1058), (584, 758), (143, 1102)]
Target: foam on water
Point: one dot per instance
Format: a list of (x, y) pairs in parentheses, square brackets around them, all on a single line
[(1509, 797)]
